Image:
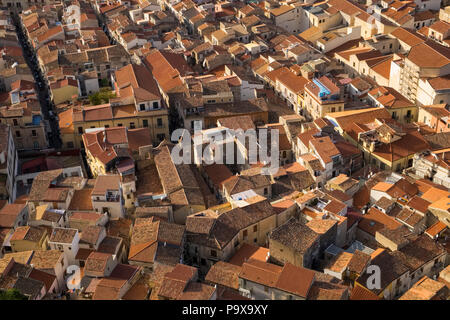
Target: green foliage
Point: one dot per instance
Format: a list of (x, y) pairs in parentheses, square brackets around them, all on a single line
[(12, 294), (104, 83), (102, 96)]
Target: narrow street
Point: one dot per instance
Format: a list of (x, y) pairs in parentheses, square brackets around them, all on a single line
[(41, 86)]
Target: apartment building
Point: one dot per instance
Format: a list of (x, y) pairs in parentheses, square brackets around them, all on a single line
[(8, 162), (107, 196), (397, 105), (286, 17), (21, 5), (27, 124), (114, 150), (435, 116), (290, 86), (133, 108), (321, 96), (433, 165), (203, 251), (385, 142), (432, 91), (425, 60)]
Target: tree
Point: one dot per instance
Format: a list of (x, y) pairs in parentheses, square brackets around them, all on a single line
[(12, 294), (104, 83), (102, 96)]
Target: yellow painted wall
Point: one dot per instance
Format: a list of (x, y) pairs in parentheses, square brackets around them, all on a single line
[(26, 245)]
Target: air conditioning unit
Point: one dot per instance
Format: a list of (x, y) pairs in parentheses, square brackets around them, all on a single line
[(245, 292)]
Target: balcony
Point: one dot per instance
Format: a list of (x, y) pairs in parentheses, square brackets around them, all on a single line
[(112, 197), (337, 162)]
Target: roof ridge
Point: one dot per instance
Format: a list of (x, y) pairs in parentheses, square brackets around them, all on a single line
[(140, 247), (435, 50), (134, 75), (262, 269)]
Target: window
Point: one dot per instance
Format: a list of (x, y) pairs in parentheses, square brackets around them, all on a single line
[(106, 125), (155, 105), (245, 234), (142, 106), (119, 125), (159, 122), (18, 134), (132, 126), (145, 123), (213, 253), (80, 130), (15, 122), (266, 191), (255, 228)]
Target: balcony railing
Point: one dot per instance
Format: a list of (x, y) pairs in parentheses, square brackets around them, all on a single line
[(113, 198)]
